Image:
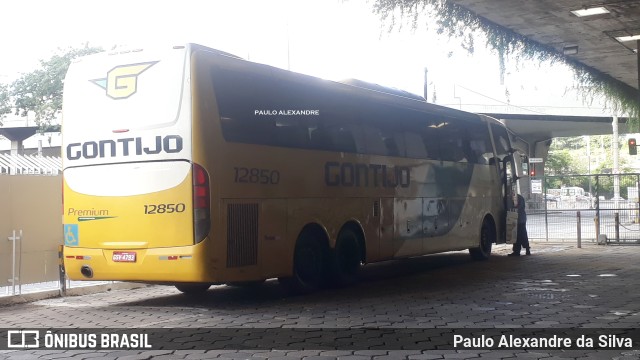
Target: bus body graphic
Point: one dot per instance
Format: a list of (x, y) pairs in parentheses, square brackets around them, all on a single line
[(212, 169)]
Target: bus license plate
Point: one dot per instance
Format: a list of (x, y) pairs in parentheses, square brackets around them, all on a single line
[(124, 256)]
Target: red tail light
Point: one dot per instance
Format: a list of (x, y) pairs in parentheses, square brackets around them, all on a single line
[(201, 203)]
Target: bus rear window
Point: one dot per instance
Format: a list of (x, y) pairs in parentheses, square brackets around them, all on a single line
[(136, 91)]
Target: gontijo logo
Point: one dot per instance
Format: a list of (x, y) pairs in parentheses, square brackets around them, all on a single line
[(122, 81)]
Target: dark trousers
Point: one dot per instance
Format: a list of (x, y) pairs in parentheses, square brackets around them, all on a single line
[(522, 240)]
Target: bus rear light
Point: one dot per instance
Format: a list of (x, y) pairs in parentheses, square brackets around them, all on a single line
[(201, 197), (201, 203)]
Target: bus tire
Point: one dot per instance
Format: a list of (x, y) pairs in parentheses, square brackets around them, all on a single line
[(193, 289), (346, 259), (309, 265), (483, 252)]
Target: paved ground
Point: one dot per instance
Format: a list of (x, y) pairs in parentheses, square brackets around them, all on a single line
[(557, 288)]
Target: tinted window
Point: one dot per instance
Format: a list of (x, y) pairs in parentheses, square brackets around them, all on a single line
[(239, 96), (452, 141), (250, 100), (501, 139), (255, 108), (428, 129), (479, 142), (333, 133), (415, 145)]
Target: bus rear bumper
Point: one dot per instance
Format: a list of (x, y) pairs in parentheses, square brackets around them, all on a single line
[(173, 264)]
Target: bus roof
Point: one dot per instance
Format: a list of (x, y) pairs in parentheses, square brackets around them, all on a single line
[(351, 88)]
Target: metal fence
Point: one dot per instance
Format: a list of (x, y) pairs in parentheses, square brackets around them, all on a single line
[(31, 235), (29, 165), (601, 207)]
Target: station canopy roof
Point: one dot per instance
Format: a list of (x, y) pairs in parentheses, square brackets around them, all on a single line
[(601, 35)]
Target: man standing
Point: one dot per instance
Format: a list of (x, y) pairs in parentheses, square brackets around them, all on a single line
[(522, 240)]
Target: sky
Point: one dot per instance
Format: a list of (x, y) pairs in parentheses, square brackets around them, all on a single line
[(332, 39)]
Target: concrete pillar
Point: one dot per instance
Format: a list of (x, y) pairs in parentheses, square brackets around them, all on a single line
[(16, 147)]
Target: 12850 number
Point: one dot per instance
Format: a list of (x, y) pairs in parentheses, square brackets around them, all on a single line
[(256, 176), (164, 208)]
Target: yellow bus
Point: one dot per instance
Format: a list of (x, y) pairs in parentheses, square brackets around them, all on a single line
[(190, 166)]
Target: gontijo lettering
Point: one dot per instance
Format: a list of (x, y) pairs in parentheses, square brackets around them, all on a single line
[(375, 175), (124, 147)]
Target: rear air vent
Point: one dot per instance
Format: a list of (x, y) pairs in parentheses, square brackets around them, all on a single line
[(242, 235)]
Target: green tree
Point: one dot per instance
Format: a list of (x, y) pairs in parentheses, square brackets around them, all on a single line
[(40, 91), (5, 103), (575, 142), (560, 162)]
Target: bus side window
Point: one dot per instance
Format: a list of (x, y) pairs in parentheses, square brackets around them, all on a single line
[(451, 140), (392, 145), (239, 96), (292, 133), (320, 139), (426, 129), (335, 131), (384, 131), (382, 140), (480, 150), (501, 139), (244, 130), (374, 141), (415, 146), (343, 139)]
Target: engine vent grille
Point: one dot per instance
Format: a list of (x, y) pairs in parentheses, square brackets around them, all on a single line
[(242, 235)]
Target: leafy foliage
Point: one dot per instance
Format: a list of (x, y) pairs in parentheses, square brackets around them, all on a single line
[(569, 155), (5, 103), (560, 162), (454, 20), (568, 162), (40, 91)]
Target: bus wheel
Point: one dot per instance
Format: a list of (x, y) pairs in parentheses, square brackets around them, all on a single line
[(486, 240), (193, 289), (346, 259), (308, 266)]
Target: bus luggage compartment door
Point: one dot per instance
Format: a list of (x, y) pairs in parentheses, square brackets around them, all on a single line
[(408, 227)]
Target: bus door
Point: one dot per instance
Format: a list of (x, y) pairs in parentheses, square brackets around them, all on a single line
[(510, 193)]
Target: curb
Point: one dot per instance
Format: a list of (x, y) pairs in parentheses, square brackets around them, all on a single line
[(77, 291)]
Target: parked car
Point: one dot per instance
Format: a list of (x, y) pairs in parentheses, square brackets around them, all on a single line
[(576, 197)]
